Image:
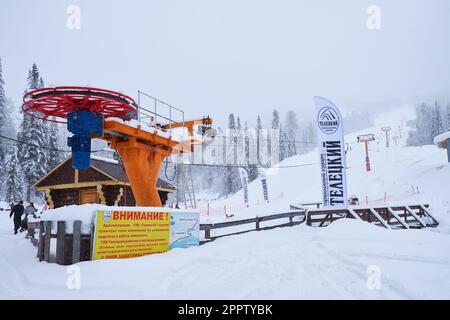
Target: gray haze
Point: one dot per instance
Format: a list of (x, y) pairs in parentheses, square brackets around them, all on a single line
[(216, 57)]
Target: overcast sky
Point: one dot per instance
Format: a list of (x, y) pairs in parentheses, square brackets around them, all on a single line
[(241, 56)]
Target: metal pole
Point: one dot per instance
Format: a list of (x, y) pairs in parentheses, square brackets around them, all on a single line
[(367, 156), (448, 149), (139, 107), (387, 139), (170, 120), (155, 113)]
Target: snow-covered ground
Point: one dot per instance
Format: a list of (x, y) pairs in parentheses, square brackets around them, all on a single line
[(338, 262), (344, 260)]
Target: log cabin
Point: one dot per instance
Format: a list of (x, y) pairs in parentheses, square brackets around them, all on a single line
[(105, 182)]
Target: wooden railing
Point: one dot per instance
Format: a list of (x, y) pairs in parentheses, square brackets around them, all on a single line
[(256, 221), (70, 247), (394, 216)]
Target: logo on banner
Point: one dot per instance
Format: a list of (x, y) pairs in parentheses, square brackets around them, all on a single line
[(332, 154), (328, 120), (107, 216), (244, 181)]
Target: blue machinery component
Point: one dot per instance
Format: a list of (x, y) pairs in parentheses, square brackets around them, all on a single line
[(84, 125)]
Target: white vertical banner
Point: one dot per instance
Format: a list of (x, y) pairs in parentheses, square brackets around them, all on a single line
[(263, 177), (244, 181), (332, 154)]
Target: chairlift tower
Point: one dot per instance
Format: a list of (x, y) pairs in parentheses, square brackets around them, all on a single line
[(386, 131), (116, 118), (366, 138)]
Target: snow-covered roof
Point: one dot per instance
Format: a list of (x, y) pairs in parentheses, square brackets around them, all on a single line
[(109, 160), (441, 138)]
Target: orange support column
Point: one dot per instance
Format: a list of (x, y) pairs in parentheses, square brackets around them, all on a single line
[(142, 164)]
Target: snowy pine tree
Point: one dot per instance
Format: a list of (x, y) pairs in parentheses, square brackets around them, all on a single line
[(283, 144), (259, 137), (448, 117), (429, 123), (437, 126), (3, 123), (33, 158), (291, 132), (14, 178), (275, 119), (232, 180), (54, 156)]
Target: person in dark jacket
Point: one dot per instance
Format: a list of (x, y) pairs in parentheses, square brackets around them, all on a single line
[(17, 211)]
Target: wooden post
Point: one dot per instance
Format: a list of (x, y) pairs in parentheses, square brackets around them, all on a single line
[(257, 224), (60, 242), (40, 253), (47, 239), (76, 245), (208, 233), (91, 243)]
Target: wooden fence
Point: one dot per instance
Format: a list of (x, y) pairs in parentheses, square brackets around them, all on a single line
[(404, 217), (70, 247), (73, 247), (256, 221)]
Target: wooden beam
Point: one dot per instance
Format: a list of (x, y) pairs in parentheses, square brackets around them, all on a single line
[(379, 218), (403, 223), (81, 185), (76, 252), (77, 176), (40, 253), (60, 242), (101, 195), (47, 240), (91, 184), (354, 214)]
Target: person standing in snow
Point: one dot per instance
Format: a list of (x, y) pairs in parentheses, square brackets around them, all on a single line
[(29, 210), (17, 211)]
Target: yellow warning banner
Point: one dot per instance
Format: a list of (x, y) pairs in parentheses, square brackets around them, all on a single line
[(128, 234)]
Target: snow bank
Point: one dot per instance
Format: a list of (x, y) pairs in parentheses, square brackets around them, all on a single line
[(290, 263)]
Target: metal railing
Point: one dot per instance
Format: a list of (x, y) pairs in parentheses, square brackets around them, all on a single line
[(158, 109)]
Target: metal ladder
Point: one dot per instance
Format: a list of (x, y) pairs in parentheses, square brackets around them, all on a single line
[(185, 185)]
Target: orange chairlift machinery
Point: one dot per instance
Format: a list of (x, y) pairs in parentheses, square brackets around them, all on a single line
[(117, 119)]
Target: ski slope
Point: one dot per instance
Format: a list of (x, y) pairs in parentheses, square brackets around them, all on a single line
[(396, 171)]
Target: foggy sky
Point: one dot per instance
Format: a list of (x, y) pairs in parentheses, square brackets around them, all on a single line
[(248, 57)]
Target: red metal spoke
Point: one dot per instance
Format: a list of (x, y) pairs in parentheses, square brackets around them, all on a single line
[(59, 101)]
